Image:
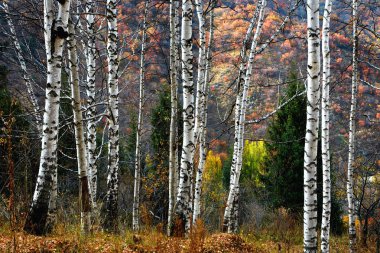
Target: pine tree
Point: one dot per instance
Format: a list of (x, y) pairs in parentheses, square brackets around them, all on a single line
[(285, 148)]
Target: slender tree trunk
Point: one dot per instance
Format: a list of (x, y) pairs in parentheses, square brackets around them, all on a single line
[(84, 189), (136, 192), (173, 138), (312, 124), (201, 71), (110, 222), (25, 73), (91, 108), (230, 213), (326, 211), (55, 35), (351, 138), (202, 125), (183, 205)]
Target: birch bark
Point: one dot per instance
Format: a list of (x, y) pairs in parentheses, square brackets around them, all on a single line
[(110, 222), (91, 108), (202, 125), (55, 32), (230, 213), (311, 137), (326, 205), (136, 192), (351, 137), (84, 187), (173, 138), (183, 205)]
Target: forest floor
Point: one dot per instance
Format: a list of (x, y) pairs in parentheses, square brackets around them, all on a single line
[(152, 241)]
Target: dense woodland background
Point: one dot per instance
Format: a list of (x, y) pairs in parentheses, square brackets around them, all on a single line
[(271, 182)]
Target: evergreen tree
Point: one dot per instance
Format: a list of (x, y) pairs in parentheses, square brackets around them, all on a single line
[(284, 164)]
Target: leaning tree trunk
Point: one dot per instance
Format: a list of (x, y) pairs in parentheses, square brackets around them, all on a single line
[(84, 188), (136, 192), (25, 74), (351, 138), (55, 34), (311, 137), (230, 213), (91, 104), (202, 125), (183, 205), (326, 202), (173, 135), (110, 220)]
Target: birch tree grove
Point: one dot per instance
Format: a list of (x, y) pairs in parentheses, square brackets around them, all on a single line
[(84, 187), (325, 118), (312, 121), (351, 136), (184, 207), (173, 135), (91, 102), (230, 213), (137, 181), (110, 221), (55, 31)]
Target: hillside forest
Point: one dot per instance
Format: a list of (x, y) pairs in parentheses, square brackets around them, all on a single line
[(190, 126)]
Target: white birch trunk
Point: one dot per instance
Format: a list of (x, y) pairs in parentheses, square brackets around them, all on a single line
[(55, 35), (173, 138), (91, 108), (25, 73), (230, 213), (311, 137), (136, 192), (110, 222), (351, 138), (202, 125), (201, 71), (183, 205), (325, 118), (84, 187)]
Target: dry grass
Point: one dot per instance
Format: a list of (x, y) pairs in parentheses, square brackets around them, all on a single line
[(69, 239)]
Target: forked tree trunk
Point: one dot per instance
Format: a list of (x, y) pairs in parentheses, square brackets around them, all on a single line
[(173, 138), (110, 220), (137, 180), (55, 34), (311, 137), (351, 137), (183, 205), (84, 188), (326, 202), (202, 125), (230, 213)]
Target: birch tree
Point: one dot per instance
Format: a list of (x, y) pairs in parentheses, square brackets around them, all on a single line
[(91, 102), (110, 220), (55, 33), (25, 74), (84, 187), (184, 208), (351, 136), (312, 121), (230, 213), (326, 202), (173, 135), (137, 180), (202, 124)]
